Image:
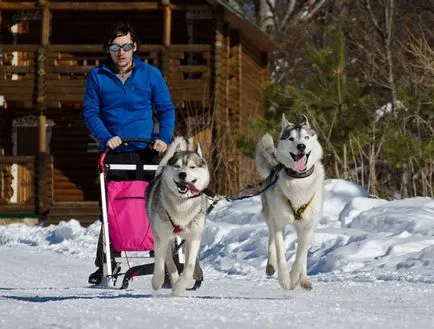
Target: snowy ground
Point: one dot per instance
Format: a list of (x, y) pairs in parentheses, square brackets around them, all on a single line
[(371, 264)]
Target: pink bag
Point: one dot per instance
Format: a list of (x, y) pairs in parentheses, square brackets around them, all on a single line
[(129, 226)]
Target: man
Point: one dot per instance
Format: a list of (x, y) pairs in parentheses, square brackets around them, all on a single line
[(118, 103)]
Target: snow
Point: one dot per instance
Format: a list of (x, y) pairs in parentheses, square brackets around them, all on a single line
[(388, 109), (371, 265)]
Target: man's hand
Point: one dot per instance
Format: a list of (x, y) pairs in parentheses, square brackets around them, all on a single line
[(114, 142), (159, 146)]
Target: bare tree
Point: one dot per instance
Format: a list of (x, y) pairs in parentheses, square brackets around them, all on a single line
[(423, 53), (276, 17), (384, 28)]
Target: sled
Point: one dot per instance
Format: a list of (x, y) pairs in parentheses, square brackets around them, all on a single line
[(127, 227)]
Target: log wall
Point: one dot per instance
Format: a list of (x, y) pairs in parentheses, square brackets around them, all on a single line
[(34, 189), (65, 70), (223, 143), (215, 79), (254, 77)]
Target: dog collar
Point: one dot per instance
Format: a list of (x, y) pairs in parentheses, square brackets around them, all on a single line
[(297, 174)]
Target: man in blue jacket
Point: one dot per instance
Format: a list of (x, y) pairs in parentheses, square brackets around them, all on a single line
[(118, 103)]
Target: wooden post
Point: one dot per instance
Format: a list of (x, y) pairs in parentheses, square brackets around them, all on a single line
[(1, 41), (167, 23), (42, 196), (42, 57), (165, 54), (46, 22), (42, 133)]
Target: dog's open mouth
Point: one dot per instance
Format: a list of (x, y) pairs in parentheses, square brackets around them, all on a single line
[(183, 187), (300, 160)]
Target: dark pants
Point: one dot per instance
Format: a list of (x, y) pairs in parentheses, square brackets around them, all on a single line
[(145, 156)]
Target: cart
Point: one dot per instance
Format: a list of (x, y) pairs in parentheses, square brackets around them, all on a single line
[(127, 227)]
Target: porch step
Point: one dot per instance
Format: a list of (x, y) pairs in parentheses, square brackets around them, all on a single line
[(85, 212), (13, 213), (28, 219)]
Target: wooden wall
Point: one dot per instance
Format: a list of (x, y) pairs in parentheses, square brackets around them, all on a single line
[(254, 78), (75, 169), (240, 74), (234, 89), (225, 73), (89, 27), (223, 141)]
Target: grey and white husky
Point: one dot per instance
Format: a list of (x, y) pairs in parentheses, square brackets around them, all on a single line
[(176, 207), (296, 198)]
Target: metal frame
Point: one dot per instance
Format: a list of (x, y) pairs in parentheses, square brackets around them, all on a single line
[(107, 267)]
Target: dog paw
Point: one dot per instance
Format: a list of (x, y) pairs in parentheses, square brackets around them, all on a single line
[(178, 289), (157, 281), (174, 277), (269, 270), (295, 278), (285, 282), (305, 283)]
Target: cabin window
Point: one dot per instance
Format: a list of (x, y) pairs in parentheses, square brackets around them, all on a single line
[(25, 142), (25, 135), (20, 27)]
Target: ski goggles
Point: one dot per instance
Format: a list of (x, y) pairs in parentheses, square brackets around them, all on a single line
[(125, 47)]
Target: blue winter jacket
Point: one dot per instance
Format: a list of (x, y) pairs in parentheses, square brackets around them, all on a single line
[(113, 109)]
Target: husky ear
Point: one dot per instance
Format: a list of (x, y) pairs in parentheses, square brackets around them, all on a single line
[(179, 144), (175, 146), (190, 144), (284, 123), (306, 121), (199, 150)]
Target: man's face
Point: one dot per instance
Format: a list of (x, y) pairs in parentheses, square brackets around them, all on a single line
[(120, 57)]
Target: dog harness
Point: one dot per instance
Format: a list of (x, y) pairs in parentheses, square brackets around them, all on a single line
[(176, 228), (298, 213)]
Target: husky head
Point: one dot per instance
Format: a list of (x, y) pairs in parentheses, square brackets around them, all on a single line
[(185, 170), (298, 147)]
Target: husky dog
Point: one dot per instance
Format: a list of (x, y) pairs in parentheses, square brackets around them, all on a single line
[(176, 206), (296, 198)]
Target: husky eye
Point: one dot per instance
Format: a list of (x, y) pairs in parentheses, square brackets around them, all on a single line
[(192, 167), (291, 139), (306, 137), (176, 166)]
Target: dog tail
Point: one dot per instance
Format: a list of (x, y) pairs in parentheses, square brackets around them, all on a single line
[(265, 156)]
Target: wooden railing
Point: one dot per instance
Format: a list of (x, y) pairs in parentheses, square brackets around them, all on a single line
[(17, 73), (61, 77), (24, 169), (189, 74), (33, 190)]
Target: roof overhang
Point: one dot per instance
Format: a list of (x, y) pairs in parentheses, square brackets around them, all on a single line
[(249, 30)]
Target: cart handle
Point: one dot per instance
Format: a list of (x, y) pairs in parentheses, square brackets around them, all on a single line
[(125, 141)]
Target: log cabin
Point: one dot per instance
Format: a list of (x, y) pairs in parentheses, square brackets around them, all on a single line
[(213, 59)]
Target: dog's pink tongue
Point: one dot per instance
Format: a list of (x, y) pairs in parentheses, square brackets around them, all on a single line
[(192, 188), (300, 164)]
